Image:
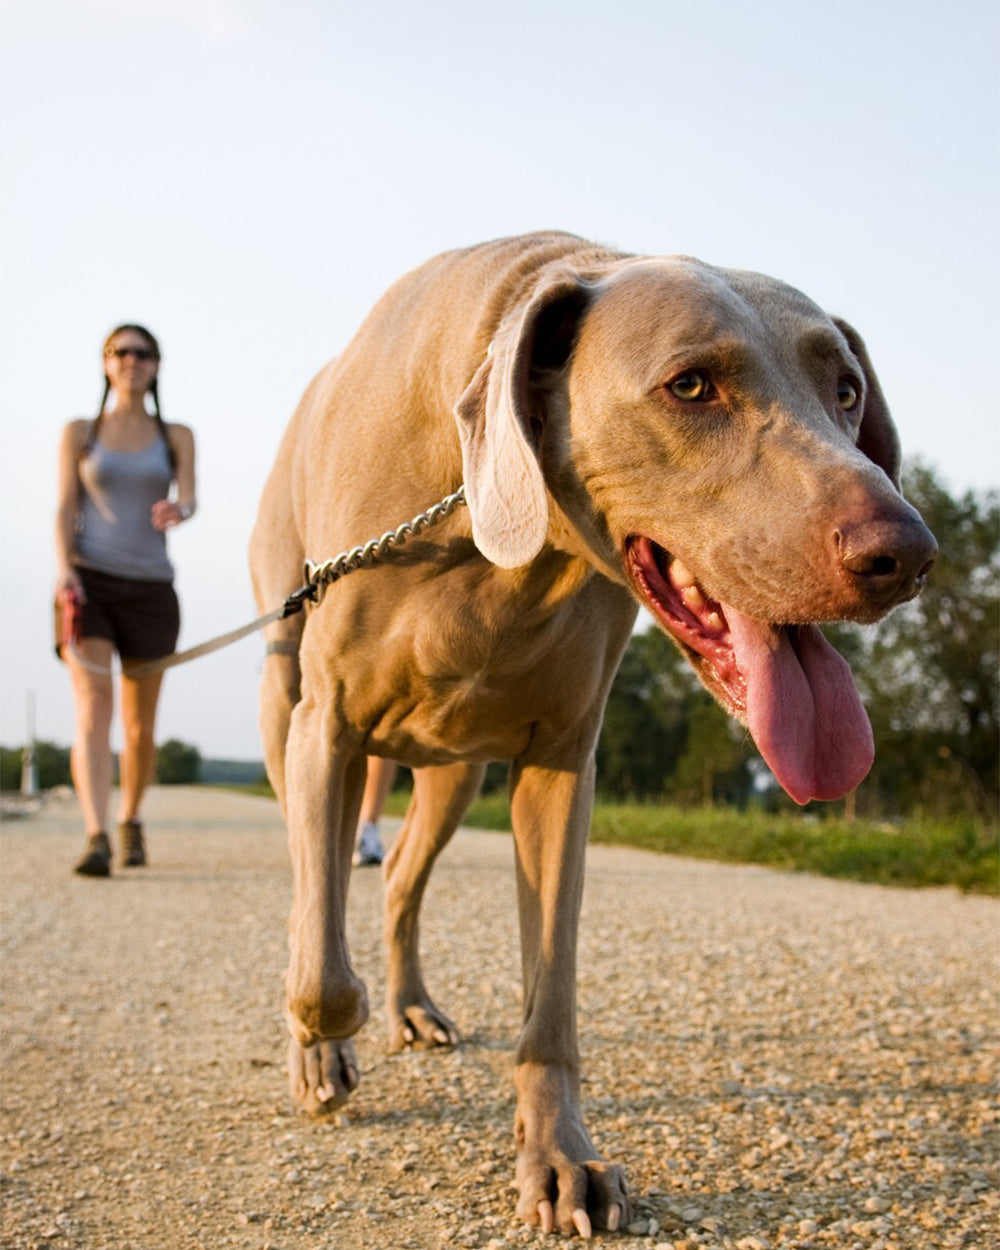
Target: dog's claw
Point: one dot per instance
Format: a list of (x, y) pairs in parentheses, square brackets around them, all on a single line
[(419, 1025), (571, 1198), (322, 1076)]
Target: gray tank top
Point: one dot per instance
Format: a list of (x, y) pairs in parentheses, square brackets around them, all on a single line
[(115, 533)]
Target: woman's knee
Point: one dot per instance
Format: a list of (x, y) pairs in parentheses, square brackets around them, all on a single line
[(138, 736), (94, 707)]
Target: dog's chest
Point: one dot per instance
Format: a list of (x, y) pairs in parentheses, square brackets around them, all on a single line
[(473, 676)]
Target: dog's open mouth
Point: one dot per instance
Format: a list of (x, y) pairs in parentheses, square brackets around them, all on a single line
[(795, 693), (699, 623)]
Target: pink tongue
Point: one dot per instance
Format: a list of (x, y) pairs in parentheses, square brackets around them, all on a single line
[(803, 709)]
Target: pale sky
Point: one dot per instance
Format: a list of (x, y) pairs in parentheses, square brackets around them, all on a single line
[(246, 177)]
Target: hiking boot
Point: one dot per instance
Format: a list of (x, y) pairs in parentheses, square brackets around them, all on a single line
[(369, 851), (133, 846), (96, 861)]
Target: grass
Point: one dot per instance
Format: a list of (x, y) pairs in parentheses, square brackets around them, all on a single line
[(958, 853), (259, 789), (917, 853)]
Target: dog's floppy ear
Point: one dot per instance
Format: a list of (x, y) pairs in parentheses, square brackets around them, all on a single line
[(877, 437), (499, 421)]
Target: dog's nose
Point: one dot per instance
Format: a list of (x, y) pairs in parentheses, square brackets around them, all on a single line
[(886, 560)]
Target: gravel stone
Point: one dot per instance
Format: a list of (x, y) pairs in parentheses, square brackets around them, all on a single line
[(780, 1062)]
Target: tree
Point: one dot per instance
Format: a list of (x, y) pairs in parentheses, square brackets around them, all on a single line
[(715, 763), (10, 768), (178, 764), (51, 766), (645, 722), (663, 734)]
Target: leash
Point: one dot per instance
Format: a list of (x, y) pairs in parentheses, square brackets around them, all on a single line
[(318, 578)]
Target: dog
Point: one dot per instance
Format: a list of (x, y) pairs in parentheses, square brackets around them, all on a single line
[(630, 430)]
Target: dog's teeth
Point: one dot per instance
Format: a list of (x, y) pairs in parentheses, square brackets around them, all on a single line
[(681, 575), (715, 622), (693, 597)]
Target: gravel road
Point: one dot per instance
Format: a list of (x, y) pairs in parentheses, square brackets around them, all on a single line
[(779, 1060)]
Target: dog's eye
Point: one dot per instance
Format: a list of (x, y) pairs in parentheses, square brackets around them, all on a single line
[(848, 394), (693, 386)]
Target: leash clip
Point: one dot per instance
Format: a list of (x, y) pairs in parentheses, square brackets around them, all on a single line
[(296, 601)]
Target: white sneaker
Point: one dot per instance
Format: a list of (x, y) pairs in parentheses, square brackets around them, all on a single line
[(369, 850)]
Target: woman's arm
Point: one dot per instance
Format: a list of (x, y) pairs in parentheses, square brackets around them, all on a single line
[(70, 447), (170, 512)]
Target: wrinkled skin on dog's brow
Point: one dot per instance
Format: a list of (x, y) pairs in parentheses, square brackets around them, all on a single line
[(630, 430)]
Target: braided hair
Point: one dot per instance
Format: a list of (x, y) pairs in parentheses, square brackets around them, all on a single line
[(154, 346)]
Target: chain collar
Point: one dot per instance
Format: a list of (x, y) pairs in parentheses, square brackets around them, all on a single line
[(319, 576)]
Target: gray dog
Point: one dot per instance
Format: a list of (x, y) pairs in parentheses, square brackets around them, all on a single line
[(629, 430)]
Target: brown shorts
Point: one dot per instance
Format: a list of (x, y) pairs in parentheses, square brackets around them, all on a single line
[(140, 619)]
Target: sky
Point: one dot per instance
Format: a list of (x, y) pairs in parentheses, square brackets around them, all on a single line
[(247, 177)]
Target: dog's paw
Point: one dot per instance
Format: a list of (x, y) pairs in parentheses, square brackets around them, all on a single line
[(556, 1194), (323, 1076), (419, 1026)]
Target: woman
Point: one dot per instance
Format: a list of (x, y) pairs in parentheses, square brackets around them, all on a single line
[(115, 478)]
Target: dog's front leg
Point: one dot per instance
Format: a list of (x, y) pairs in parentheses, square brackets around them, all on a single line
[(563, 1182), (440, 797), (326, 1003)]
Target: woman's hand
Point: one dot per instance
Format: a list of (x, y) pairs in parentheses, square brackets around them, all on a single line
[(68, 583), (166, 513)]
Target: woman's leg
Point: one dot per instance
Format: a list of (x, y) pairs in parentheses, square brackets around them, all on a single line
[(90, 758), (137, 763), (378, 782)]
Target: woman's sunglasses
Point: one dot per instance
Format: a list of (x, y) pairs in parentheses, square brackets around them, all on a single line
[(140, 353)]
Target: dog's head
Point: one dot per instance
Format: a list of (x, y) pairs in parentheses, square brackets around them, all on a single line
[(714, 441)]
